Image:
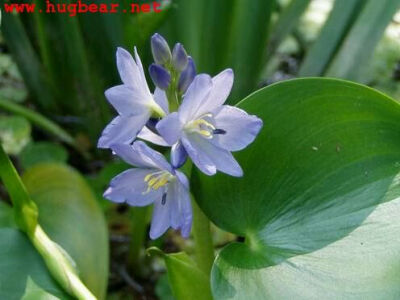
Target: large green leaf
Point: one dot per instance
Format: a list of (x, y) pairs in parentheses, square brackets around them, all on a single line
[(70, 214), (320, 198)]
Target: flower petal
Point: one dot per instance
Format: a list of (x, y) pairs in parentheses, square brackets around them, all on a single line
[(160, 221), (216, 158), (161, 99), (141, 72), (221, 88), (170, 128), (122, 130), (127, 68), (181, 207), (125, 100), (148, 135), (151, 157), (130, 187), (132, 156), (199, 158), (197, 92), (240, 128)]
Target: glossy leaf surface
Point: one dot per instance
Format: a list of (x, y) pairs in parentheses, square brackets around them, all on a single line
[(319, 202)]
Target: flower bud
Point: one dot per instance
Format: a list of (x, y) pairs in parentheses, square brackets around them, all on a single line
[(178, 155), (160, 49), (179, 57), (160, 76), (187, 76)]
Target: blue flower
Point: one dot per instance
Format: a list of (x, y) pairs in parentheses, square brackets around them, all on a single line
[(153, 181), (133, 101), (209, 130)]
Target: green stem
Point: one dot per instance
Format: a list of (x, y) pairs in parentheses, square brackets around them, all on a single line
[(203, 241), (59, 265), (57, 260), (138, 236), (41, 122)]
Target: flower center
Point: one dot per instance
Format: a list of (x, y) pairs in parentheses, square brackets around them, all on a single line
[(204, 127), (157, 180)]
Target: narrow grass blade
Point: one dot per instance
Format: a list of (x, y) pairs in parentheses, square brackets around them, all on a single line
[(362, 39), (343, 15)]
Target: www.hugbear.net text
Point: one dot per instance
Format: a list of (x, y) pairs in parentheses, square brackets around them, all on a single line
[(79, 7)]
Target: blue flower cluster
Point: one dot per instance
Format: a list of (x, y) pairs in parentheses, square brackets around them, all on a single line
[(186, 112)]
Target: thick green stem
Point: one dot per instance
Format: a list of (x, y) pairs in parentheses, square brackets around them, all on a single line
[(138, 236), (60, 265), (203, 241)]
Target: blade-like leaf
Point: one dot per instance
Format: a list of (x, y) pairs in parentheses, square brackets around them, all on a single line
[(27, 61), (319, 198), (343, 15), (248, 42), (360, 43), (288, 19)]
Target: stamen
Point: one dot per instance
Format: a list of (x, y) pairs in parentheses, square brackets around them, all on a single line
[(219, 131), (156, 180), (164, 199)]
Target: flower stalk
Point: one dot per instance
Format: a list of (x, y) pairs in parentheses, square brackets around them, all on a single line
[(203, 240)]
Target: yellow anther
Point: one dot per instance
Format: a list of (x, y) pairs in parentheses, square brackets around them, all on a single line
[(157, 180), (205, 133)]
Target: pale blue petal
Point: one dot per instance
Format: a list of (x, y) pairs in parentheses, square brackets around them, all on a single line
[(161, 99), (199, 158), (141, 73), (125, 100), (217, 158), (183, 179), (132, 156), (127, 68), (149, 136), (197, 92), (131, 188), (132, 75), (181, 208), (122, 130), (152, 157), (170, 128), (240, 128), (221, 88), (161, 218)]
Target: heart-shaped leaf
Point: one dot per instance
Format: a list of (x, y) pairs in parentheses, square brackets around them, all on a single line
[(319, 203)]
